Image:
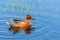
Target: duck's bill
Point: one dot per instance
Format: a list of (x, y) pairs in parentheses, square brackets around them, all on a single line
[(32, 18)]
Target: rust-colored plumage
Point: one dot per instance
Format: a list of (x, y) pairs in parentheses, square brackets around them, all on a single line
[(18, 25)]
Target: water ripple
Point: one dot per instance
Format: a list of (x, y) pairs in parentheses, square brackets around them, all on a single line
[(40, 29)]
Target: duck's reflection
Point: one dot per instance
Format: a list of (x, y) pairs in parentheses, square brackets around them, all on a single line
[(18, 29)]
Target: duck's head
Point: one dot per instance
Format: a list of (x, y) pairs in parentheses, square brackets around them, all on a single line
[(28, 17)]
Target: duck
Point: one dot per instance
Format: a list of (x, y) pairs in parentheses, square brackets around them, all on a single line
[(18, 25)]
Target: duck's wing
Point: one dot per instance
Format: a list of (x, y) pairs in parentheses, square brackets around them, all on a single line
[(16, 20)]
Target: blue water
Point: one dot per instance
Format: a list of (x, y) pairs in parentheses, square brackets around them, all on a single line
[(46, 13)]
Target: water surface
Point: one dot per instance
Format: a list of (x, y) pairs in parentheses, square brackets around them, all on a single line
[(46, 13)]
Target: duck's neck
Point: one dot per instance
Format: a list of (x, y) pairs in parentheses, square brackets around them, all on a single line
[(27, 20)]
